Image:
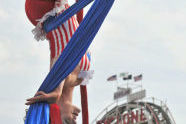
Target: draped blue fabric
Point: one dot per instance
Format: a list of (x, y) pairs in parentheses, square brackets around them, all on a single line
[(38, 113)]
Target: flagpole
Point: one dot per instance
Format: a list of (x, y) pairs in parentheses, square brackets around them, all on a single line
[(141, 84), (117, 90), (127, 94)]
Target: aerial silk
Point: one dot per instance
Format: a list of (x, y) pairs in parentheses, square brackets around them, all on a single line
[(38, 113)]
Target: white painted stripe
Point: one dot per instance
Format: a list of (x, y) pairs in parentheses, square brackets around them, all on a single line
[(75, 23), (83, 63), (71, 25), (88, 66), (59, 40), (64, 37), (67, 29), (55, 40), (87, 63)]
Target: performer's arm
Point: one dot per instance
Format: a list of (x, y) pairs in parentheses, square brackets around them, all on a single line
[(71, 81), (52, 97)]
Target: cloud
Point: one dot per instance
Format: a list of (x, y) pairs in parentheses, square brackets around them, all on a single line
[(139, 26), (3, 14), (18, 56)]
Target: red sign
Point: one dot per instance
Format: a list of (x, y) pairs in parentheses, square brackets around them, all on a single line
[(128, 118)]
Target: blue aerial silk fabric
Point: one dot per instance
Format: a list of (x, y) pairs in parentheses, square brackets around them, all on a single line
[(38, 113)]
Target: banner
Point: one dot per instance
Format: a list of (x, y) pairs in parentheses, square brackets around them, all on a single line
[(122, 92), (136, 96)]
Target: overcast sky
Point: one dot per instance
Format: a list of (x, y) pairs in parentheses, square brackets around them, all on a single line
[(138, 36)]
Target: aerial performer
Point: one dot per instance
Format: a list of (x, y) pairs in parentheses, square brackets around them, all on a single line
[(62, 95), (69, 56)]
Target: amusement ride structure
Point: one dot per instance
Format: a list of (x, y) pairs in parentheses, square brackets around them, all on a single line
[(131, 106)]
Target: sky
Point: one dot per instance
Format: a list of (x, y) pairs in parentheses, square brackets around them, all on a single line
[(138, 36)]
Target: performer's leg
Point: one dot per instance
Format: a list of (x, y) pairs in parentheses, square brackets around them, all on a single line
[(69, 112)]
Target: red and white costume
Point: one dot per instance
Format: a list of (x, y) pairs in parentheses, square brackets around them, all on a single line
[(59, 38)]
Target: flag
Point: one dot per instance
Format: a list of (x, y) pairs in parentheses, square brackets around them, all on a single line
[(138, 78), (123, 74), (129, 77), (112, 78)]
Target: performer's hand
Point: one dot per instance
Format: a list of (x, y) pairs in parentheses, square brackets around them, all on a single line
[(42, 96)]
